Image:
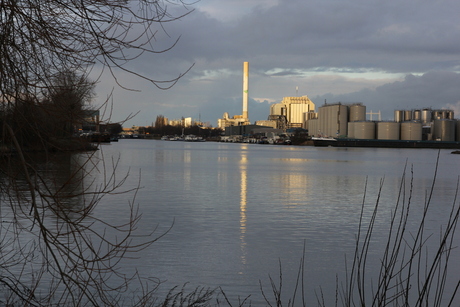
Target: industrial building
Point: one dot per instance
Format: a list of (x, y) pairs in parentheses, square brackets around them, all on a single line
[(291, 112), (340, 120)]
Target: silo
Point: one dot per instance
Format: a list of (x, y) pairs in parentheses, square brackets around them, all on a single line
[(426, 116), (417, 115), (407, 115), (411, 131), (437, 114), (444, 130), (388, 130), (399, 116), (364, 130), (450, 114), (351, 130), (357, 113)]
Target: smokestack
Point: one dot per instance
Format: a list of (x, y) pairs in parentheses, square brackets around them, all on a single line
[(245, 89)]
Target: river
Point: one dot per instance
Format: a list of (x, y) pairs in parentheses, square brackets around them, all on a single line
[(240, 211)]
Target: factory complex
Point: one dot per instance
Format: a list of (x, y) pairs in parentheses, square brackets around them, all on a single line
[(343, 122)]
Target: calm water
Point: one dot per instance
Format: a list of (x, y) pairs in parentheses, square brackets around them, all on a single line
[(239, 210)]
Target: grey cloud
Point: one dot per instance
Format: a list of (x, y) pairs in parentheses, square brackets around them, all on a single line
[(298, 37)]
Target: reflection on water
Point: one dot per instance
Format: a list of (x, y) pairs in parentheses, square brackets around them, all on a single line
[(38, 199), (47, 178), (238, 209), (243, 203)]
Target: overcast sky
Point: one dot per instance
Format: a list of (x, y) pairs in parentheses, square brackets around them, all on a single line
[(397, 54)]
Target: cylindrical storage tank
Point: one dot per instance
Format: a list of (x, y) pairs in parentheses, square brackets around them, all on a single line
[(357, 113), (351, 130), (399, 116), (426, 116), (364, 130), (450, 114), (417, 115), (437, 114), (411, 131), (388, 130), (444, 130), (407, 115)]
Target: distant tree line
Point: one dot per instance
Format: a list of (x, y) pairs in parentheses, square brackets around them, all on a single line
[(161, 127), (40, 121)]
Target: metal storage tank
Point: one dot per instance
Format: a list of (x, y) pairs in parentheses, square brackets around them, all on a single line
[(450, 114), (407, 115), (364, 130), (444, 114), (426, 116), (437, 114), (388, 130), (411, 131), (444, 130), (399, 116), (351, 130), (357, 113), (417, 115)]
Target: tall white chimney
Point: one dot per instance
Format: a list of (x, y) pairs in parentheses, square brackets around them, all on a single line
[(245, 89)]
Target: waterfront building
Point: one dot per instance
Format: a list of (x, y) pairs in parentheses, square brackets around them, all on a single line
[(290, 112)]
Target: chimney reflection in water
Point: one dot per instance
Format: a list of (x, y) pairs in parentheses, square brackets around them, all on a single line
[(243, 203)]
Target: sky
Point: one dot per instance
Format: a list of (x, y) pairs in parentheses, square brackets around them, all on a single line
[(388, 55)]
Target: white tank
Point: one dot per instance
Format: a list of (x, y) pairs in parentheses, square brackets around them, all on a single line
[(426, 116), (407, 115), (364, 130), (444, 130), (411, 131), (388, 130), (351, 130), (417, 115), (399, 116), (357, 113), (437, 114)]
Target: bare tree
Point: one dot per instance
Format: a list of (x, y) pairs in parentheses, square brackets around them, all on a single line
[(66, 100), (52, 251), (42, 37)]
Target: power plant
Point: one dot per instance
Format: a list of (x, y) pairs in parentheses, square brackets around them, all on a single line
[(346, 123)]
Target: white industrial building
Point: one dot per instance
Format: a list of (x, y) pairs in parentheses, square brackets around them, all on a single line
[(291, 112)]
